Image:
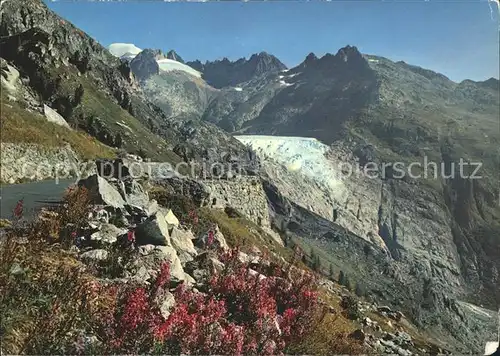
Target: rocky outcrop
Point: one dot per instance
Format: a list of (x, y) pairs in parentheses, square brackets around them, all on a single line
[(182, 241), (173, 55), (247, 196), (153, 236), (244, 194)]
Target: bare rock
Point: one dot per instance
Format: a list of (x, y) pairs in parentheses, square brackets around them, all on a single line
[(171, 218)]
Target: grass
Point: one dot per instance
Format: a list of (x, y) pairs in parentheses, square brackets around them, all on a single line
[(330, 337), (20, 126)]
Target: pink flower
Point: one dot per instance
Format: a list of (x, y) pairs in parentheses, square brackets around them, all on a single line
[(18, 210), (131, 236)]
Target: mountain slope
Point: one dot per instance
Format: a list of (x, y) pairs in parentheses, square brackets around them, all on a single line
[(439, 226), (73, 74), (97, 92)]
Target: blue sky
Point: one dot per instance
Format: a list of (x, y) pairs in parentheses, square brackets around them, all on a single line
[(457, 38)]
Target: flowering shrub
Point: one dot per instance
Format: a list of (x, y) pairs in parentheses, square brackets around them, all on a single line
[(243, 312)]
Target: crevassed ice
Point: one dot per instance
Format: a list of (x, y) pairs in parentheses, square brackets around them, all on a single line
[(299, 154)]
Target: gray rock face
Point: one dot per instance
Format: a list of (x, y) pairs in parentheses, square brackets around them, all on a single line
[(173, 55), (197, 191), (9, 78), (154, 256), (135, 194), (180, 95), (203, 266), (144, 65), (94, 256), (213, 239), (28, 161)]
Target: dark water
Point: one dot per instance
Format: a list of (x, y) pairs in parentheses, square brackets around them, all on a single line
[(35, 195)]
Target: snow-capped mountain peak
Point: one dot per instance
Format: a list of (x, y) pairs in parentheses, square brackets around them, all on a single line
[(166, 63), (124, 50)]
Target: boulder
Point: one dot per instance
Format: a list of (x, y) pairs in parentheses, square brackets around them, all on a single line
[(358, 335), (182, 241), (53, 116), (153, 208), (153, 231), (403, 352), (146, 249), (248, 259), (108, 234), (142, 275), (366, 321), (101, 192), (99, 216), (112, 168), (188, 279), (204, 266), (169, 254), (198, 192), (254, 273)]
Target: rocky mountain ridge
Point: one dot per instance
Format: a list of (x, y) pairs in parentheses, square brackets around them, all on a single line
[(224, 73)]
